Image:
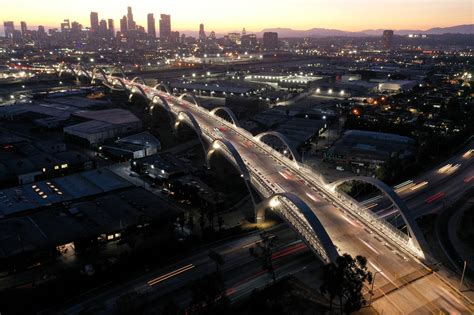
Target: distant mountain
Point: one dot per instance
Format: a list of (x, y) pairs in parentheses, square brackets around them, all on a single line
[(323, 32), (458, 29), (314, 32)]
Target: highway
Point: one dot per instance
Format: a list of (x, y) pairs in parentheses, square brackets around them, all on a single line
[(435, 189), (404, 286), (242, 273)]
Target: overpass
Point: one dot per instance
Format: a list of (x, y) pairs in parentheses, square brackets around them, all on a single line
[(326, 219)]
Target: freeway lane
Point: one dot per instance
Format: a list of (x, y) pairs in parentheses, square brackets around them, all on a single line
[(241, 272), (451, 179), (398, 270)]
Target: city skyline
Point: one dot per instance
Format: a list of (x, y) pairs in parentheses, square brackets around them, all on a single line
[(337, 14)]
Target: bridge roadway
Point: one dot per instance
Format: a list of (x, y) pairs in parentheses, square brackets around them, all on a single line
[(403, 284)]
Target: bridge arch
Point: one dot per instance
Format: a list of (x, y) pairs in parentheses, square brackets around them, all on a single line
[(229, 112), (120, 70), (138, 80), (84, 70), (324, 246), (416, 238), (158, 99), (120, 82), (192, 122), (294, 154), (136, 89), (63, 67), (191, 96), (161, 87), (96, 71), (226, 147)]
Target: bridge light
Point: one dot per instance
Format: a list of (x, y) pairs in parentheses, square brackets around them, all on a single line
[(216, 146), (274, 203)]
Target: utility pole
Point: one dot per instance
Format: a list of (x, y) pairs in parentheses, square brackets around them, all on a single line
[(462, 277), (372, 289)]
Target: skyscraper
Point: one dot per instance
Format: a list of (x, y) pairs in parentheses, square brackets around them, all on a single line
[(66, 26), (94, 21), (103, 27), (9, 28), (387, 39), (111, 27), (131, 23), (24, 29), (165, 26), (151, 25), (202, 33), (76, 27), (123, 25), (270, 40)]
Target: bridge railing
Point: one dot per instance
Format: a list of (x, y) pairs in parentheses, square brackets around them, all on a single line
[(371, 217)]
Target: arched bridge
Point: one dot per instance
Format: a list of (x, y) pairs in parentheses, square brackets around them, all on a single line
[(302, 195)]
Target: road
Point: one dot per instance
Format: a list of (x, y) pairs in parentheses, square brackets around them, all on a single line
[(435, 189), (405, 285), (242, 273)]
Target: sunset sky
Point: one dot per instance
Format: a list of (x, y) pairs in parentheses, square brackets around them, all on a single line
[(255, 15)]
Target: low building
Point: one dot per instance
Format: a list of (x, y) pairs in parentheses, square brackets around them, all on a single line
[(369, 149), (102, 125), (133, 147), (159, 167)]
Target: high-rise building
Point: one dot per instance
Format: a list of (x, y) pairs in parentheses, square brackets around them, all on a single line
[(131, 23), (248, 41), (165, 26), (66, 26), (387, 39), (9, 28), (174, 38), (151, 25), (202, 33), (41, 32), (123, 25), (94, 21), (24, 29), (244, 31), (234, 38), (111, 27), (76, 27), (270, 40), (212, 35), (103, 27)]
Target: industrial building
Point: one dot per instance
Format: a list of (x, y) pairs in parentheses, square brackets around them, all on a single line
[(369, 149), (102, 125)]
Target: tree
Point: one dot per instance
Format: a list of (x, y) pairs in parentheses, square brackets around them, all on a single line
[(345, 279), (263, 251), (190, 222), (217, 258), (181, 222)]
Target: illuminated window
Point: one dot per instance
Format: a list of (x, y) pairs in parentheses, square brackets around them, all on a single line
[(64, 165)]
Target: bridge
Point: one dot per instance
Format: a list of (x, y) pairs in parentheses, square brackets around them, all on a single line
[(329, 221)]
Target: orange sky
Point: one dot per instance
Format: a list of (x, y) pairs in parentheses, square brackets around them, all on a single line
[(222, 15)]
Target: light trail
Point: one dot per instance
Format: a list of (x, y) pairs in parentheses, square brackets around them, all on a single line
[(170, 275)]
